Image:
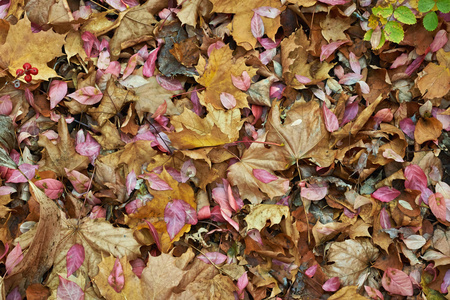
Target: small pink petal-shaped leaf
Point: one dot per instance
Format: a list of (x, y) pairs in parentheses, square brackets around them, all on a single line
[(397, 282), (438, 206), (334, 2), (13, 258), (154, 234), (155, 182), (57, 92), (391, 154), (383, 115), (6, 105), (116, 278), (268, 43), (52, 188), (267, 11), (408, 127), (330, 119), (149, 67), (440, 39), (16, 177), (175, 217), (14, 295), (328, 49), (188, 170), (267, 56), (302, 79), (75, 258), (445, 282), (264, 176), (131, 182), (350, 78), (314, 193), (400, 61), (7, 190), (130, 66), (90, 148), (385, 221), (242, 284), (373, 293), (204, 213), (255, 235), (228, 101), (69, 290), (354, 63), (215, 257), (332, 284), (257, 26), (311, 271), (88, 95), (276, 90), (241, 82), (27, 170), (415, 178), (351, 110), (191, 213), (215, 46), (170, 84), (257, 111), (386, 194), (79, 181), (138, 266)]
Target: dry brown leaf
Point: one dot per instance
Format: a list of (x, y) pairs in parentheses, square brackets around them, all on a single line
[(427, 129), (63, 154), (333, 27), (110, 136), (191, 10), (347, 292), (261, 213), (39, 49), (434, 81)]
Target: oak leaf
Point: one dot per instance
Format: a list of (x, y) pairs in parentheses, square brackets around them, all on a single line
[(216, 74), (63, 155), (39, 49)]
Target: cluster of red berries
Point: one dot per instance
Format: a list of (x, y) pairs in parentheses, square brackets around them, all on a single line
[(28, 70)]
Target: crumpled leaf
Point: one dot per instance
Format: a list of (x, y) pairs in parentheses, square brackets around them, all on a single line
[(261, 213)]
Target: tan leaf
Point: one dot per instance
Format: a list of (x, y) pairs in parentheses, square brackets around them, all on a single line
[(347, 292), (333, 27), (63, 154), (110, 136), (191, 10), (434, 81), (427, 129), (261, 213)]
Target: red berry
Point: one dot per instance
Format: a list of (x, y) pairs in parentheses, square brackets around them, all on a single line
[(34, 71), (27, 72), (27, 78), (26, 66), (19, 72)]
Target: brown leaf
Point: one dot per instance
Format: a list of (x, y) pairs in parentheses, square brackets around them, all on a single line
[(434, 81), (427, 129), (63, 154)]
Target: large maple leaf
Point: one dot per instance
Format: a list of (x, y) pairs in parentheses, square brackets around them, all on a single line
[(38, 50), (62, 155), (216, 77)]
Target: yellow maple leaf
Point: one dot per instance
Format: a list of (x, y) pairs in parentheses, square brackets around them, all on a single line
[(38, 50), (216, 77)]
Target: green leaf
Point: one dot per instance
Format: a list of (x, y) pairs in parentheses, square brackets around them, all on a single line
[(394, 32), (368, 35), (443, 6), (430, 21), (382, 41), (384, 12), (405, 15), (426, 5)]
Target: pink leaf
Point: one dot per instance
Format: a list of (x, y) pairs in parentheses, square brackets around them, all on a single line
[(69, 290), (215, 46), (314, 193), (439, 41), (79, 181), (175, 217), (257, 111), (268, 43), (6, 105), (116, 278), (131, 182), (386, 194), (397, 282), (155, 182), (191, 213), (228, 101), (14, 295), (13, 258), (241, 82), (154, 234), (242, 284), (267, 56), (438, 206), (57, 92), (350, 78), (7, 190), (415, 178), (445, 282), (27, 170), (385, 221), (331, 285), (149, 67), (52, 188), (89, 148), (74, 258), (90, 44), (215, 257), (130, 66), (328, 49), (138, 266), (373, 293), (400, 61), (170, 84), (302, 79), (311, 271), (264, 176), (408, 127), (204, 213), (188, 170), (351, 110), (354, 63), (383, 115), (88, 95), (334, 2), (267, 11), (391, 154), (257, 26), (255, 235), (330, 119)]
